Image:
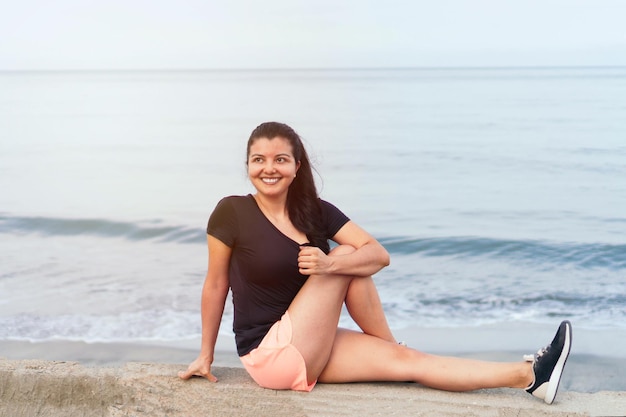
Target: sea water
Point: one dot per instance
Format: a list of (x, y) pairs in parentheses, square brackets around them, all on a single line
[(499, 193)]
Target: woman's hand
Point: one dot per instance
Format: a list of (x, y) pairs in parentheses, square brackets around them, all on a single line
[(313, 261), (200, 367)]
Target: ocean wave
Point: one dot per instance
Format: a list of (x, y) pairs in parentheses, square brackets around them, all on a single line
[(146, 325), (102, 228), (574, 254), (580, 255), (166, 324)]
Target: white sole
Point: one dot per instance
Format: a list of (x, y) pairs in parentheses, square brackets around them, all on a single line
[(555, 377)]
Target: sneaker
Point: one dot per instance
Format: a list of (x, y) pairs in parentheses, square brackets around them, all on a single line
[(548, 364)]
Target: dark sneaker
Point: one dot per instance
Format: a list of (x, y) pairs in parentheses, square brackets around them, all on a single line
[(548, 364)]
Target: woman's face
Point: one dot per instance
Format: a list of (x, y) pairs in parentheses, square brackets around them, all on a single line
[(272, 166)]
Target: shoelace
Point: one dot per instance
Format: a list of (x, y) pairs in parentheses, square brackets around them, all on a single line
[(540, 353)]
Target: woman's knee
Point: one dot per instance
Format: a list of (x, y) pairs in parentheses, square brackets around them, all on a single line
[(342, 250)]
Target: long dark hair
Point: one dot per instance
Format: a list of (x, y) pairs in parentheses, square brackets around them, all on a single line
[(303, 203)]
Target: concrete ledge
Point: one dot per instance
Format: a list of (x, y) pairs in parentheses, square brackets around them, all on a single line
[(47, 388)]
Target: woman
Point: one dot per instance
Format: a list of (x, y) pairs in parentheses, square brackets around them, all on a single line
[(288, 290)]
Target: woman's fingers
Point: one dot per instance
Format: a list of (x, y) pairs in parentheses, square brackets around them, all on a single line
[(311, 260), (197, 371), (306, 260)]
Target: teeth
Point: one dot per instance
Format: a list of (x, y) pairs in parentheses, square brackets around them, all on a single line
[(270, 180)]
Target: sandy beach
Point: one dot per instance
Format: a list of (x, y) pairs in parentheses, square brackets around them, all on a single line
[(137, 380), (47, 388)]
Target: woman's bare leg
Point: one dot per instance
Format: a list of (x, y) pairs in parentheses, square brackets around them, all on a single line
[(337, 355), (315, 313), (365, 308), (363, 304), (360, 357)]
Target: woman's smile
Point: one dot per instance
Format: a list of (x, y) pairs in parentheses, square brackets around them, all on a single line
[(270, 181), (272, 166)]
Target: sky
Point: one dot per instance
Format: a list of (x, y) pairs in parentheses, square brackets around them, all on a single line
[(207, 34)]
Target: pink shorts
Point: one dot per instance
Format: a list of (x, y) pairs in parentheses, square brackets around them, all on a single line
[(276, 363)]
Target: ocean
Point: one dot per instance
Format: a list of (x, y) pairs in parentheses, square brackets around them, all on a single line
[(500, 193)]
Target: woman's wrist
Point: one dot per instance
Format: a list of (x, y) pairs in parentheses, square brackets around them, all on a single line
[(206, 355)]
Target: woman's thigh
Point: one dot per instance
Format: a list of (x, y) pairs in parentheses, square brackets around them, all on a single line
[(315, 315), (358, 357)]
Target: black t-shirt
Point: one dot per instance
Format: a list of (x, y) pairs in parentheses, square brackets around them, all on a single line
[(263, 274)]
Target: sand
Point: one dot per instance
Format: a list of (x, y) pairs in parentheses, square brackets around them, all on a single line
[(106, 379), (583, 373), (55, 388)]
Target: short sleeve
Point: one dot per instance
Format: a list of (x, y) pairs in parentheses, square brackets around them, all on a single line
[(223, 222), (334, 219)]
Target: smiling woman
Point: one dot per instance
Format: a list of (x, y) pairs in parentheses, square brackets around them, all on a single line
[(271, 169), (272, 250), (276, 160), (271, 165)]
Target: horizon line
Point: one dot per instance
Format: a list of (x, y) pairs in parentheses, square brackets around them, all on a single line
[(304, 69)]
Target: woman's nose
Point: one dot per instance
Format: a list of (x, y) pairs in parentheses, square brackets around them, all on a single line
[(269, 166)]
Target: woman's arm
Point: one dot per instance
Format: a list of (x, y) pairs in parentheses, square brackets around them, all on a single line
[(214, 294), (369, 258)]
